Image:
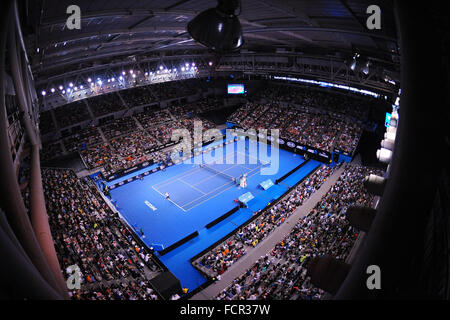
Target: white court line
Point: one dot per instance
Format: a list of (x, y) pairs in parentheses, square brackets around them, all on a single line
[(224, 159), (216, 174), (182, 175), (227, 155), (215, 195), (209, 177), (251, 169), (211, 197), (250, 156), (249, 176), (192, 186), (237, 165), (186, 174), (169, 199), (206, 194), (245, 154)]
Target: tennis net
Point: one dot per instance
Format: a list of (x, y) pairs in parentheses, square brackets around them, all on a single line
[(218, 172)]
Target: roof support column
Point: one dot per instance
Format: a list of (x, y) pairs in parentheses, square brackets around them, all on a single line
[(37, 234)]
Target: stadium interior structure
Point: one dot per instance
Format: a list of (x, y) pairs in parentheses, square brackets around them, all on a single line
[(101, 202)]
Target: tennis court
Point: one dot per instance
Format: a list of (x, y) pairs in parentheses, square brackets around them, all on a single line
[(205, 181), (198, 194)]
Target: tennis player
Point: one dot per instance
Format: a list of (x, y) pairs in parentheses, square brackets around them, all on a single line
[(166, 196)]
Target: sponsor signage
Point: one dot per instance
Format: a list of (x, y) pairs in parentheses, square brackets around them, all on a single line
[(150, 205), (314, 153), (145, 164)]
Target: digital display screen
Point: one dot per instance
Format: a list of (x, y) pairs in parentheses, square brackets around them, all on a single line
[(388, 120), (236, 89)]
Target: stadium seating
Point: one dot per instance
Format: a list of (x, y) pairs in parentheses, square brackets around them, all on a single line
[(281, 274), (223, 256), (87, 233), (311, 118), (322, 130), (71, 114)]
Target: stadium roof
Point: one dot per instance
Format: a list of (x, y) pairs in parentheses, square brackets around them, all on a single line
[(114, 30)]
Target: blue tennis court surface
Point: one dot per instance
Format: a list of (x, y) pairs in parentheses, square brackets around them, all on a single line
[(197, 196), (200, 184)]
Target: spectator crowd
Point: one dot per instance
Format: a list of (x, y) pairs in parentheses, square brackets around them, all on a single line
[(313, 118), (311, 127), (122, 143), (72, 113), (112, 263), (282, 274), (88, 234), (223, 256)]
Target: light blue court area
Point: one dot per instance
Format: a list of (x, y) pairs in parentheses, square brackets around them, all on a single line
[(200, 194)]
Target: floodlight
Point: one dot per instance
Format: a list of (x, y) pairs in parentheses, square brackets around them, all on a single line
[(218, 28)]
